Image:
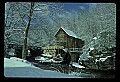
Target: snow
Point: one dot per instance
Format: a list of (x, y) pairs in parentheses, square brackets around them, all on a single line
[(16, 67), (46, 55), (70, 33), (91, 49), (90, 57), (50, 61), (46, 60), (16, 62), (41, 58), (102, 59), (95, 38), (77, 65), (84, 56)]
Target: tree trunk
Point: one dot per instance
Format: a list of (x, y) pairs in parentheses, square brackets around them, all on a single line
[(24, 50)]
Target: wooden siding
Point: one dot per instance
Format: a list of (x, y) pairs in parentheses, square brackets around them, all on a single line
[(63, 39), (67, 41)]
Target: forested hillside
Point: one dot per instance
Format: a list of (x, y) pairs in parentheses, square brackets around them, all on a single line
[(86, 24)]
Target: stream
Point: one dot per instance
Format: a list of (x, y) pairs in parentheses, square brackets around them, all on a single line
[(85, 73)]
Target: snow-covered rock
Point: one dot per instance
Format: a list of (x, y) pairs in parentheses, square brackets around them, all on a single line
[(77, 65)]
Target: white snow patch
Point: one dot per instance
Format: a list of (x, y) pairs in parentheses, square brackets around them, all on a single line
[(91, 49), (77, 65), (41, 58), (102, 59), (95, 38), (16, 62)]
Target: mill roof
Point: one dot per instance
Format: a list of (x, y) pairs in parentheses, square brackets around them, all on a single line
[(69, 32)]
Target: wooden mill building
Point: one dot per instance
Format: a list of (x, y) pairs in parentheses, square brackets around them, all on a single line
[(71, 41)]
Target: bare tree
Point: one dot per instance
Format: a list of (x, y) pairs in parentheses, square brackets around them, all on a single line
[(24, 51), (30, 16)]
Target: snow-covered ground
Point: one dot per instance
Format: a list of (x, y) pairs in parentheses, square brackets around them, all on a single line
[(16, 62), (16, 67)]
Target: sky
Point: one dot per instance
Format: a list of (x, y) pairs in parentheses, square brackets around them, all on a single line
[(76, 6)]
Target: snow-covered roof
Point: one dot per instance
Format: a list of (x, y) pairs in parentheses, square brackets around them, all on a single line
[(70, 33)]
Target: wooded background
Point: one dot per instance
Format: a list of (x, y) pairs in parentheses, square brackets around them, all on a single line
[(99, 21)]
